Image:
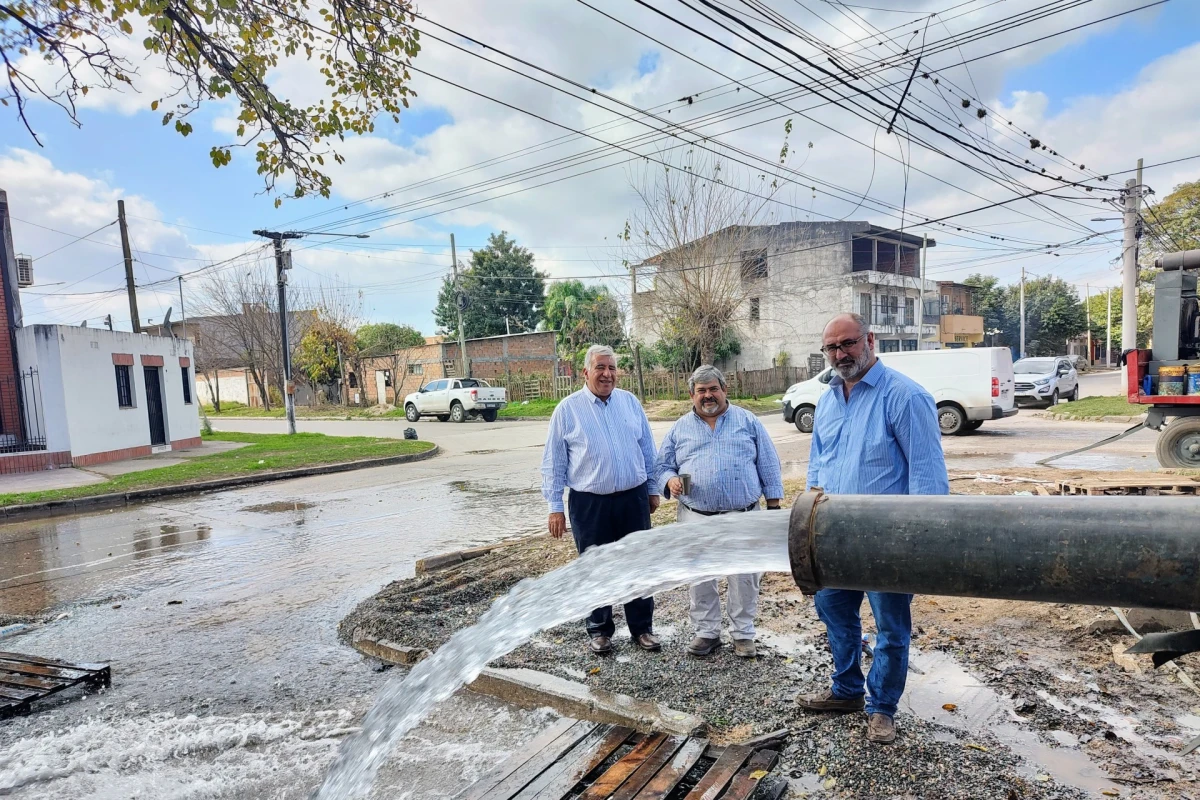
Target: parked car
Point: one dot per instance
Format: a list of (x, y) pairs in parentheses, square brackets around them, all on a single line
[(457, 399), (1045, 381), (969, 385)]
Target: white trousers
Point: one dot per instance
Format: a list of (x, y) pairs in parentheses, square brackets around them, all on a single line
[(741, 599)]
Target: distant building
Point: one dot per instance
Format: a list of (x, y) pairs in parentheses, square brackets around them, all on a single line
[(959, 325)]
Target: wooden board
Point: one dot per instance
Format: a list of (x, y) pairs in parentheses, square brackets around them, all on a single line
[(506, 768), (720, 773), (26, 679), (590, 753), (1142, 486), (749, 776)]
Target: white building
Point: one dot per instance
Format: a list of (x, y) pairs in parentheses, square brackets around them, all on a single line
[(796, 275), (100, 395)]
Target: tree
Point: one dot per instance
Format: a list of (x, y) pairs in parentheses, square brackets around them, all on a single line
[(673, 352), (583, 315), (381, 338), (1053, 312), (1145, 310), (502, 290), (317, 360), (219, 51), (1173, 224)]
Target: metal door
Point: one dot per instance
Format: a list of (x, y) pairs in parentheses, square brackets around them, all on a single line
[(154, 407)]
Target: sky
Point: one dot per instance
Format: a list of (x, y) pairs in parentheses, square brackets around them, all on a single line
[(1099, 95)]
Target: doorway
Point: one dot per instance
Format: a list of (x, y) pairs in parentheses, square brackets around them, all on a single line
[(154, 407)]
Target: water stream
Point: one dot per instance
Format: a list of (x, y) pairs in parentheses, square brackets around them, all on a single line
[(641, 564)]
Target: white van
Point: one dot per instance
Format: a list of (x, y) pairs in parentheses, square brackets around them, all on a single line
[(970, 386)]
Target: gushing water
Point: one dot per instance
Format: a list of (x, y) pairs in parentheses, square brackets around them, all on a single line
[(639, 565)]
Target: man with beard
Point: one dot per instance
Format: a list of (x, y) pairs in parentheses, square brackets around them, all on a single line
[(731, 462), (600, 446), (875, 432)]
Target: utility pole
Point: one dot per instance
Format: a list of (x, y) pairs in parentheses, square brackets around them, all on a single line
[(1129, 267), (921, 301), (1108, 331), (1021, 352), (281, 283), (133, 309), (182, 312), (459, 303), (1088, 293)]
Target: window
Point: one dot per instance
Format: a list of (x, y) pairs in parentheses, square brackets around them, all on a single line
[(862, 254), (908, 344), (889, 346), (187, 385), (416, 369), (124, 386), (910, 263), (864, 306), (353, 381), (754, 265), (387, 377), (754, 309), (910, 312), (885, 258)]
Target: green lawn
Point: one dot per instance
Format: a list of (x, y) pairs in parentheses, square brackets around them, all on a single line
[(265, 452), (534, 408), (1098, 407)]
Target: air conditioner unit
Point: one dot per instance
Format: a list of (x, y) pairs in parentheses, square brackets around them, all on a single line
[(24, 271)]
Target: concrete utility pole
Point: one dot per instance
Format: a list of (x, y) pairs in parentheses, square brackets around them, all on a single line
[(1021, 352), (1088, 293), (459, 298), (281, 283), (133, 309), (182, 312), (921, 301), (1129, 267), (1108, 332)]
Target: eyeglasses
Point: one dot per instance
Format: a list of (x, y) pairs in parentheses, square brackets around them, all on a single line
[(843, 345)]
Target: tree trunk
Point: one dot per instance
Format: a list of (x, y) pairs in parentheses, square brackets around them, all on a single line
[(708, 354), (262, 388), (217, 393)]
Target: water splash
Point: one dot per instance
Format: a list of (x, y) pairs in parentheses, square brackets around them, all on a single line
[(641, 564)]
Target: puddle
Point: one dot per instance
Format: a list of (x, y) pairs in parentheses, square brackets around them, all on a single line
[(1090, 461), (478, 489), (278, 507), (788, 643)]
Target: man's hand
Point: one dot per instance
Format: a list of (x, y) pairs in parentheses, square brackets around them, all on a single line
[(772, 503), (676, 487), (558, 524), (655, 502)]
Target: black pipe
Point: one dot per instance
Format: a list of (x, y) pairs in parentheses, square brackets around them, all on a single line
[(1109, 551)]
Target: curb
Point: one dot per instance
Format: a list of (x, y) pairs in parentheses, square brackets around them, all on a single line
[(1107, 418), (103, 502), (444, 560)]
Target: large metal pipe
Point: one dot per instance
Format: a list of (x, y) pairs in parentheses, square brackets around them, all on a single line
[(1110, 551), (1182, 259)]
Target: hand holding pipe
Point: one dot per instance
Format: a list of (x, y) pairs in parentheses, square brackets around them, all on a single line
[(1106, 551)]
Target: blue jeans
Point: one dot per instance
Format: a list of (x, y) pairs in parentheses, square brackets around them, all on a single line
[(839, 610)]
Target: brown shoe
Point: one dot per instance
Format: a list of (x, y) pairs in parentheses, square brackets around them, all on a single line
[(648, 641), (828, 701), (881, 729), (702, 647), (744, 648), (600, 645)]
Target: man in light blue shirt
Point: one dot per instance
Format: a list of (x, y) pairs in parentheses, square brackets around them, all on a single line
[(875, 432), (730, 461), (600, 447)]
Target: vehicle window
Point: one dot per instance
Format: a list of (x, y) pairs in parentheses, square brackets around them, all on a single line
[(471, 383), (1034, 366), (826, 376), (436, 386)]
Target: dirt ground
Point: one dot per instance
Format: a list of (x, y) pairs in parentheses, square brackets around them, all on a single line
[(1005, 699)]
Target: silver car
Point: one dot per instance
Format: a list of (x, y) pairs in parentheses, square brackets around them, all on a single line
[(1045, 381)]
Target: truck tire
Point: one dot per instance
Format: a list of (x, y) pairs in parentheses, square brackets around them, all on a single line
[(1178, 444), (489, 416), (457, 412), (951, 419), (411, 414), (804, 418)]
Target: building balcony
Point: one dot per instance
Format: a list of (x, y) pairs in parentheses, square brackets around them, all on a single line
[(897, 327), (890, 280), (961, 329)]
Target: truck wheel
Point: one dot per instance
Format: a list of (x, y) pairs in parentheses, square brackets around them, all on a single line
[(951, 419), (411, 414), (457, 413), (1179, 444), (489, 416), (804, 418)]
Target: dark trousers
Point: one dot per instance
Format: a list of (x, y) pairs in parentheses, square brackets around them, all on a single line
[(599, 519)]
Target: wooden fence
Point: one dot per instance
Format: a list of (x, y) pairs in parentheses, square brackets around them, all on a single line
[(659, 384)]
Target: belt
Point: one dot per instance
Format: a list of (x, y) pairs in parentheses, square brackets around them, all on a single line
[(750, 507)]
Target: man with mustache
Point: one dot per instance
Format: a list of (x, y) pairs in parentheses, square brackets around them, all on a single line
[(600, 446), (875, 432), (731, 461)]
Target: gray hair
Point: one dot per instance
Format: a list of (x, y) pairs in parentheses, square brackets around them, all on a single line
[(705, 373), (597, 350), (864, 327)]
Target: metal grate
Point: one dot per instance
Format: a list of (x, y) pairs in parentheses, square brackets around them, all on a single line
[(22, 427)]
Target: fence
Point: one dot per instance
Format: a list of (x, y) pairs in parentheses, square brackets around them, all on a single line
[(659, 384), (22, 426)]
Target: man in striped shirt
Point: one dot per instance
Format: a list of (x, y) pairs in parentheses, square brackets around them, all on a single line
[(875, 432), (600, 447), (731, 462)]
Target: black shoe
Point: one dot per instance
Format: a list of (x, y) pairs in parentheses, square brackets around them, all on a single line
[(600, 645)]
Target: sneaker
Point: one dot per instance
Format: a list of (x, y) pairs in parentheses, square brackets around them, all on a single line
[(744, 648), (701, 646), (828, 701), (881, 729)]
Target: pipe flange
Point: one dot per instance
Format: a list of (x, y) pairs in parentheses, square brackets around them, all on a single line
[(801, 542)]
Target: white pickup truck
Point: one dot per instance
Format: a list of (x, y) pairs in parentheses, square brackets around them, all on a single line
[(457, 399)]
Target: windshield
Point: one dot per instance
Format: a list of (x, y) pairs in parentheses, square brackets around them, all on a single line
[(472, 383), (1034, 366)]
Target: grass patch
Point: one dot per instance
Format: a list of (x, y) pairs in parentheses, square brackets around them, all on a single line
[(265, 452), (542, 407), (1097, 407)]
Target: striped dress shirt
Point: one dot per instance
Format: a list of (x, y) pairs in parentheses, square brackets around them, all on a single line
[(731, 465), (883, 440), (596, 446)]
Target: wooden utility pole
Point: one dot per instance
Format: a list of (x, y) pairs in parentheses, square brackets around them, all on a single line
[(460, 303), (133, 309), (637, 363)]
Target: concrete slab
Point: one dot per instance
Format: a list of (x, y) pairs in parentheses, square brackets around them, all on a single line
[(63, 478), (113, 468), (208, 449)]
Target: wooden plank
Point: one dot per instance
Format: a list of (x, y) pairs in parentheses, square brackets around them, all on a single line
[(646, 772), (721, 773), (32, 681), (616, 775), (50, 662), (32, 668), (534, 766), (514, 762), (558, 781), (14, 693), (749, 776), (671, 774)]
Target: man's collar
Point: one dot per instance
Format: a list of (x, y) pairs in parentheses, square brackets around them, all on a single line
[(871, 378), (595, 398)]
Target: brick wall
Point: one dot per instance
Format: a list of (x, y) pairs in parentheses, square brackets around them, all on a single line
[(33, 462), (503, 356)]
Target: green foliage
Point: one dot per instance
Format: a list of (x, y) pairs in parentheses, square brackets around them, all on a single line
[(583, 316), (1053, 312), (1171, 225), (673, 351), (383, 338), (228, 51), (1145, 312), (501, 285), (316, 358)]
